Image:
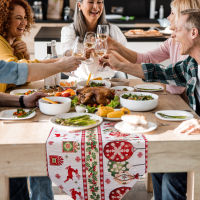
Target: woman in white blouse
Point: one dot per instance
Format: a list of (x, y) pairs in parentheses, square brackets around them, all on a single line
[(88, 15)]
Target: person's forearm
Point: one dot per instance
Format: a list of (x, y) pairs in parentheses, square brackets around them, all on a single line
[(49, 60), (130, 55), (39, 71), (9, 100), (132, 69)]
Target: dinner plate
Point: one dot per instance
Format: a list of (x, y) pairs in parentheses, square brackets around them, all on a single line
[(76, 128), (8, 115), (180, 114), (123, 88), (149, 88), (21, 91), (127, 128)]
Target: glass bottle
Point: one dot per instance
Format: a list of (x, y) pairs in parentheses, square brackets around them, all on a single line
[(37, 7), (49, 82), (55, 55)]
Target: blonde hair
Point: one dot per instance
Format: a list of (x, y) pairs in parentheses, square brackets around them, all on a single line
[(193, 20), (80, 25), (179, 5)]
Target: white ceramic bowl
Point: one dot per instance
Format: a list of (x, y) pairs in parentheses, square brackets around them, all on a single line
[(123, 88), (82, 84), (55, 109), (136, 105)]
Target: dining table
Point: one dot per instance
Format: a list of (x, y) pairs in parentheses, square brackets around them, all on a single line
[(23, 145)]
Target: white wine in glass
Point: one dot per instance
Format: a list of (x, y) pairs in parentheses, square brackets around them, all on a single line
[(78, 48), (102, 32), (89, 40)]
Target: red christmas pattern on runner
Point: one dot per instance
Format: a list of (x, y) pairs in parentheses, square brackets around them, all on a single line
[(96, 164)]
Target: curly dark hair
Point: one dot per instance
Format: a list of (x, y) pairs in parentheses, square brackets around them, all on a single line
[(6, 7)]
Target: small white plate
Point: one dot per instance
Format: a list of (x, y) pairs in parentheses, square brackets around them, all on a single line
[(127, 128), (76, 128), (123, 88), (149, 88), (8, 115), (186, 114), (21, 92)]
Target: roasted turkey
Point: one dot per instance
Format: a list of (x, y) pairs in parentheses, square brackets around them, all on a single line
[(95, 95)]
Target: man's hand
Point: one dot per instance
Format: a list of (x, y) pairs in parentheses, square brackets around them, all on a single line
[(112, 44), (189, 127), (20, 47), (31, 100), (114, 60), (70, 63)]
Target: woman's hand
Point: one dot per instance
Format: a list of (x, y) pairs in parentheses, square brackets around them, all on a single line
[(20, 47), (189, 127), (31, 100)]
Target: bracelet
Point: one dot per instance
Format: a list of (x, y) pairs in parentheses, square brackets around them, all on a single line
[(21, 101)]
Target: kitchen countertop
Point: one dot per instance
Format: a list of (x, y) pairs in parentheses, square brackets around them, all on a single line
[(46, 34)]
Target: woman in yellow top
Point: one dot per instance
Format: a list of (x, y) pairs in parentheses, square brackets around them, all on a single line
[(15, 20)]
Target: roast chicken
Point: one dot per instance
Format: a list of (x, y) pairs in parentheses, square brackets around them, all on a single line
[(95, 95)]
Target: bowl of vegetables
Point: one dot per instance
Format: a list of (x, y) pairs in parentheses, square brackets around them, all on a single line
[(54, 105), (139, 101)]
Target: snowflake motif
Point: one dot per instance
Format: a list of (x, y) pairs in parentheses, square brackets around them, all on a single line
[(77, 159), (140, 154), (108, 181)]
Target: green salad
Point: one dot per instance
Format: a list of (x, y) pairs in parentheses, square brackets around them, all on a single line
[(137, 97), (94, 84)]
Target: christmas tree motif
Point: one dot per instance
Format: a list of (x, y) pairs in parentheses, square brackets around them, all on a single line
[(56, 160), (70, 173), (74, 193)]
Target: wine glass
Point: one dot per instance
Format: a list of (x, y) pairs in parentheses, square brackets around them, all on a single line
[(89, 45), (78, 48), (89, 40), (100, 50), (102, 32)]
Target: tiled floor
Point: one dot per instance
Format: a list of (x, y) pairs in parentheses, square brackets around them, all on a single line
[(137, 193)]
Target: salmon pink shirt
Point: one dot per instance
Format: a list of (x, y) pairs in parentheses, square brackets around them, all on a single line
[(169, 49)]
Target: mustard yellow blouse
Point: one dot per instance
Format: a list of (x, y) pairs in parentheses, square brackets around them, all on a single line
[(7, 54)]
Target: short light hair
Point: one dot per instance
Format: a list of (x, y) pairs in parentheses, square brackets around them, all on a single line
[(193, 20), (80, 25), (179, 5)]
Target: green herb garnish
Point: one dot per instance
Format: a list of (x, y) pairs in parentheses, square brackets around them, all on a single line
[(83, 120), (115, 102), (172, 116)]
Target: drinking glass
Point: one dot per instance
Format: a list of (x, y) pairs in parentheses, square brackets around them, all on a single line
[(100, 50), (89, 45), (102, 32), (78, 48), (89, 40)]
